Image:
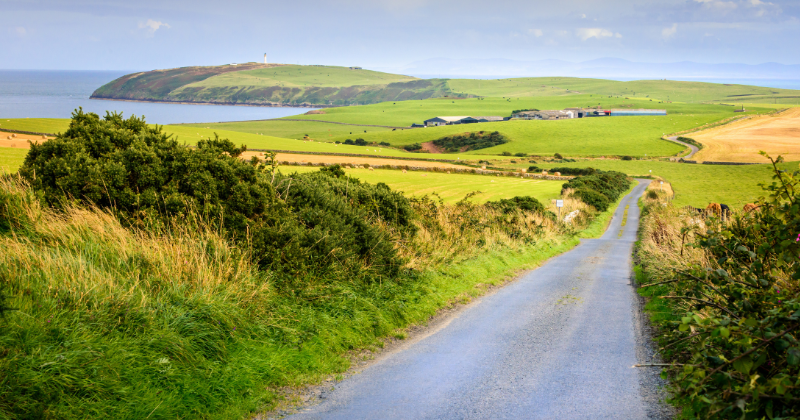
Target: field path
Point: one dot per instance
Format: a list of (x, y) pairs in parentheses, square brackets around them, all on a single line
[(558, 343), (694, 148)]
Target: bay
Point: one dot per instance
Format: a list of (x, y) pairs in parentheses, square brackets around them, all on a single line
[(56, 94)]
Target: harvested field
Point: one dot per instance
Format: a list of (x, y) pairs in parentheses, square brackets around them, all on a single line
[(18, 140), (741, 141), (296, 158)]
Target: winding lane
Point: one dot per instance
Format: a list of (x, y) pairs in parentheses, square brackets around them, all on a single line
[(558, 343)]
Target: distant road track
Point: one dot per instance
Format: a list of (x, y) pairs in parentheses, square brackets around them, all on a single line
[(558, 343), (694, 148)]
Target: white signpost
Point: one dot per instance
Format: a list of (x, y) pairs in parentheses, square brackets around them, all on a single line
[(559, 204)]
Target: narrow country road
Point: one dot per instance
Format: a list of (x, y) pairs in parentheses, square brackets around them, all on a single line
[(558, 343)]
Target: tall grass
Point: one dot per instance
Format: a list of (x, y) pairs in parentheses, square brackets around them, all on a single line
[(176, 322)]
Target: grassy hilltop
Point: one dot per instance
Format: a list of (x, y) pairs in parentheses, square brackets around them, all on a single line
[(277, 84)]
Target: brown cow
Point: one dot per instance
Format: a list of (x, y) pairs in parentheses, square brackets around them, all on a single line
[(750, 207)]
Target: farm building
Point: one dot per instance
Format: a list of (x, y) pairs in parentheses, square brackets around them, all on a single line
[(490, 119), (436, 121), (544, 115)]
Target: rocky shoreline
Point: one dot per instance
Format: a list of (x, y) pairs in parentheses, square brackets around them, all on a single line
[(266, 104)]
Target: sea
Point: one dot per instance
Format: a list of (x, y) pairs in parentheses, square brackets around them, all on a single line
[(56, 94)]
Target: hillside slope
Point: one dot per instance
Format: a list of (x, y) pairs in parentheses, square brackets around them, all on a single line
[(272, 84)]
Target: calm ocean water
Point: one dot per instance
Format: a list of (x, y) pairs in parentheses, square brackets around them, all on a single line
[(55, 94)]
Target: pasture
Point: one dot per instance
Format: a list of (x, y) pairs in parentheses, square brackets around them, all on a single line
[(299, 76), (695, 185), (294, 129), (36, 125), (11, 159), (452, 187), (405, 113), (672, 90), (741, 141)]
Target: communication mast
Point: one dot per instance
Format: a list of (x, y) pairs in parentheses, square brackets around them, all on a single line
[(265, 58)]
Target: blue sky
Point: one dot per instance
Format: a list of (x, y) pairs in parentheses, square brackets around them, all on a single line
[(387, 34)]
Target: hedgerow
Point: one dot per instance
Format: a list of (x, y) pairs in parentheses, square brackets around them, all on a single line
[(471, 141), (730, 304)]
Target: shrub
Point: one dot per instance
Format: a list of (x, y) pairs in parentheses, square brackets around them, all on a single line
[(470, 141), (412, 147), (627, 158), (558, 156), (361, 142), (523, 203), (575, 171), (334, 170), (652, 194), (520, 154), (383, 143), (148, 178), (534, 168), (348, 141), (505, 154), (592, 198)]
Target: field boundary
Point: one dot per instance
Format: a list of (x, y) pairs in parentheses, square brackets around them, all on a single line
[(709, 162), (5, 130), (301, 120)]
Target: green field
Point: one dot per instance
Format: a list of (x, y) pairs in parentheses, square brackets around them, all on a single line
[(11, 159), (254, 83), (636, 136), (695, 185), (299, 76), (293, 129), (452, 187), (659, 89), (36, 125)]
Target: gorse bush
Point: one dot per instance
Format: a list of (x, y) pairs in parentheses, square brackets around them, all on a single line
[(732, 288), (471, 141), (599, 189), (146, 177), (525, 204)]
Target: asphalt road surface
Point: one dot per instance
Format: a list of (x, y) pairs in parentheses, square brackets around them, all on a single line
[(694, 148), (558, 343)]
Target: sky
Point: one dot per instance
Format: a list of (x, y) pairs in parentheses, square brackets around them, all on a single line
[(391, 34)]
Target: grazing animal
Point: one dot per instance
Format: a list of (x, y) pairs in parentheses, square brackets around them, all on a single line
[(714, 208), (726, 211), (750, 207), (404, 171)]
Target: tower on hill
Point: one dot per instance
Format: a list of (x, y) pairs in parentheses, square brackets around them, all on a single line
[(265, 58)]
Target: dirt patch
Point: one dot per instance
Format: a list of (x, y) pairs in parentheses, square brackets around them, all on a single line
[(318, 111), (741, 141), (19, 140), (431, 148), (345, 160)]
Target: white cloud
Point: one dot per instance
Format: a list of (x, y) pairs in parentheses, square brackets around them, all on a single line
[(20, 31), (586, 33), (669, 32), (718, 4), (536, 32), (583, 16), (151, 26)]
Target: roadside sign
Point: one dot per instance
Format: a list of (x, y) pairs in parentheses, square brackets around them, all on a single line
[(559, 203)]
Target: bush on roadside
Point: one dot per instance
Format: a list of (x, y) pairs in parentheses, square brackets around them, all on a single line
[(593, 198), (729, 326)]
